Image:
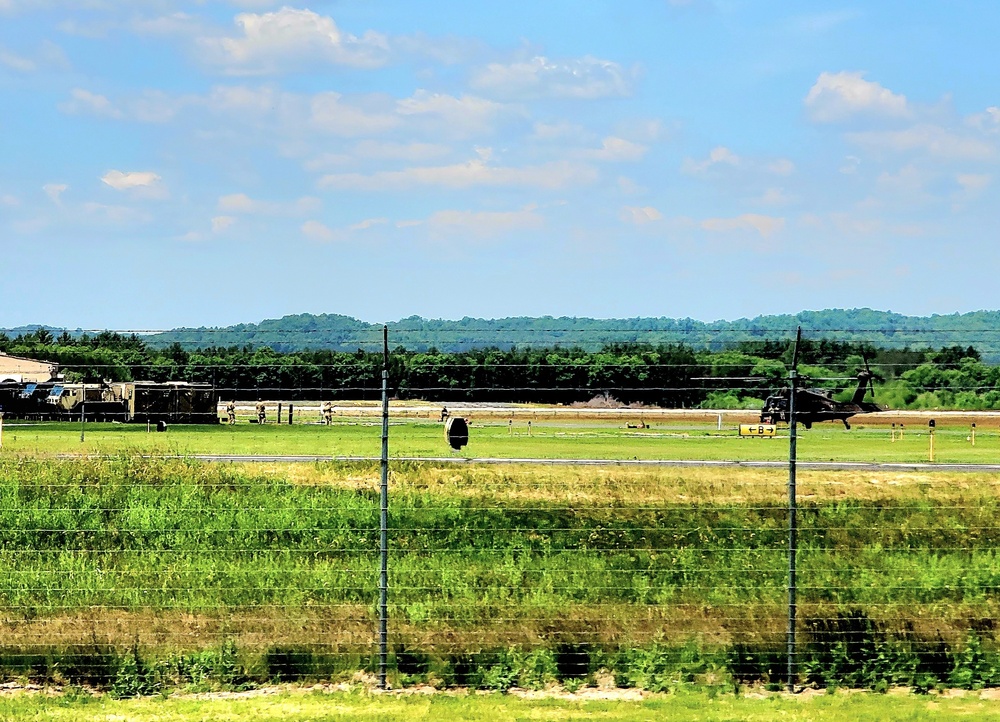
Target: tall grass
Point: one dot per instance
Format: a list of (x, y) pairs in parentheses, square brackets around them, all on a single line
[(177, 555)]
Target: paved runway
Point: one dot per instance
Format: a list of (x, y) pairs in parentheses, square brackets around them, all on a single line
[(805, 465)]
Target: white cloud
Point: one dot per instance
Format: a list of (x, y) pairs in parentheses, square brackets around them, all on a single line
[(447, 50), (237, 203), (244, 204), (298, 116), (256, 4), (316, 231), (9, 201), (720, 155), (152, 106), (327, 161), (849, 224), (934, 140), (561, 130), (821, 22), (368, 223), (645, 130), (583, 78), (484, 223), (12, 60), (411, 152), (467, 113), (280, 40), (616, 150), (143, 183), (117, 215), (640, 215), (221, 223), (177, 23), (775, 197), (973, 182), (850, 165), (970, 187), (54, 191), (840, 96), (85, 102), (782, 166), (764, 225), (329, 114), (909, 182), (155, 106), (243, 99), (47, 56), (473, 173), (628, 186), (987, 121)]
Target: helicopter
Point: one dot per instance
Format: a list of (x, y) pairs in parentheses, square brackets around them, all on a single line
[(813, 405)]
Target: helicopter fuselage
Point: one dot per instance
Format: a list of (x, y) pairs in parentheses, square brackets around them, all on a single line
[(815, 405)]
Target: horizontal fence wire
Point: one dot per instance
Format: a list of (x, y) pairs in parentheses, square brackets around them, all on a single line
[(118, 548)]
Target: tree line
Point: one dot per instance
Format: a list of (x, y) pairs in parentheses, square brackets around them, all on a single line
[(669, 375)]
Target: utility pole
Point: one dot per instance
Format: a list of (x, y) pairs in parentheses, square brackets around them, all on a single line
[(793, 529), (83, 406), (383, 587)]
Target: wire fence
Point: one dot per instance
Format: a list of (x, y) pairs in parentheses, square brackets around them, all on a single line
[(133, 562)]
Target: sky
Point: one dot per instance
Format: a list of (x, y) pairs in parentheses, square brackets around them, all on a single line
[(188, 163)]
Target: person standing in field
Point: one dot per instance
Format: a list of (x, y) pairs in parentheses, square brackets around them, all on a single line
[(261, 413), (231, 412), (327, 412)]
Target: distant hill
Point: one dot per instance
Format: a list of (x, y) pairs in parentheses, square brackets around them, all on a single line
[(343, 333)]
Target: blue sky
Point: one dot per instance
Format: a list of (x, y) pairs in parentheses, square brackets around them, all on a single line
[(208, 163)]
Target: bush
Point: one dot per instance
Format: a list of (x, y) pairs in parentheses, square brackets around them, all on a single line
[(974, 666), (133, 677)]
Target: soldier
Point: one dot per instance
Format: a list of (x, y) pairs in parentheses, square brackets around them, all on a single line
[(261, 413), (231, 412), (327, 412), (444, 413)]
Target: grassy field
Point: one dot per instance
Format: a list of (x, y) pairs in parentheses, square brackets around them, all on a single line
[(347, 706), (549, 439), (498, 575), (140, 574)]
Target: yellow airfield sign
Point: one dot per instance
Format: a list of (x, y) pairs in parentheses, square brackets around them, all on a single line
[(758, 430)]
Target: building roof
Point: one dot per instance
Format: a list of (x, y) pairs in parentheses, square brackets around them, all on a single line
[(28, 367)]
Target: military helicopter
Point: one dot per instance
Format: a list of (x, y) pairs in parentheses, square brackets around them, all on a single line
[(813, 405)]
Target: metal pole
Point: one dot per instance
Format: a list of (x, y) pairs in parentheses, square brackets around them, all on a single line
[(383, 589), (792, 512), (83, 405)]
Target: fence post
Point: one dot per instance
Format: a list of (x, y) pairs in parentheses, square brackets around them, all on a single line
[(792, 512), (383, 589)]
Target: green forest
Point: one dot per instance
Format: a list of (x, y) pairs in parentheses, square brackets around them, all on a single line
[(668, 375), (311, 332)]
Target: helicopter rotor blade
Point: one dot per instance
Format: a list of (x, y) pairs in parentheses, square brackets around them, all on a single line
[(871, 376)]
